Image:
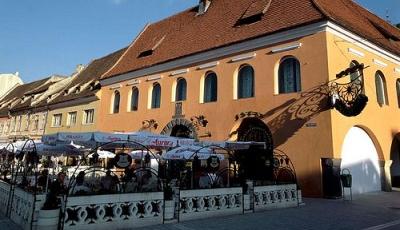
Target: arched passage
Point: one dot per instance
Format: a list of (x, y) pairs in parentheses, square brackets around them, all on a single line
[(360, 156), (180, 128), (255, 163), (395, 157)]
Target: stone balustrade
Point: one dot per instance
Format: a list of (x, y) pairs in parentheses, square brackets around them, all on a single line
[(275, 196), (21, 205), (204, 203), (120, 211), (115, 211)]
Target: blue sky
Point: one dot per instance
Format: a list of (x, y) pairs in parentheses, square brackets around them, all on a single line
[(43, 37)]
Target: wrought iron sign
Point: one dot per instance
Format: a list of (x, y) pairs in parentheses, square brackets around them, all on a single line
[(122, 160), (348, 98)]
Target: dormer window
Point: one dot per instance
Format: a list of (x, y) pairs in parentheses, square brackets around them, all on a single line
[(254, 12), (203, 6), (150, 51)]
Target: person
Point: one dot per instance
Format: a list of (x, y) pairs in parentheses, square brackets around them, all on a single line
[(43, 179), (108, 182), (81, 187), (204, 181), (131, 185), (56, 189), (150, 183), (24, 182)]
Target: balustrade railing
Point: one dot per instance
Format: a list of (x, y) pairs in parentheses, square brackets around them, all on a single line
[(202, 203), (275, 196), (115, 211), (130, 210)]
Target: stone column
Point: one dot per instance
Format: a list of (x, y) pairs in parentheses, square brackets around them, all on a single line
[(386, 179)]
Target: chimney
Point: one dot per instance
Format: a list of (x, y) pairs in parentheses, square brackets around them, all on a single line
[(79, 68), (203, 6)]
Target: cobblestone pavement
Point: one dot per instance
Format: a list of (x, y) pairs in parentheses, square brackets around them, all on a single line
[(373, 211)]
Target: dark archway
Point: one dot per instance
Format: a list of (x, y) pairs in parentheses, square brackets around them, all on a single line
[(180, 127), (181, 131), (255, 163), (395, 157)]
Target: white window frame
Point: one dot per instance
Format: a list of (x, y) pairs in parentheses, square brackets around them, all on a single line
[(55, 122), (70, 120), (85, 117)]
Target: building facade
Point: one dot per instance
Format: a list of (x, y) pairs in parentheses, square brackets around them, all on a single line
[(24, 109), (260, 72), (9, 82), (76, 107)]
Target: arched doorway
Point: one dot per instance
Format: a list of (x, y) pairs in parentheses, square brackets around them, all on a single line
[(395, 157), (180, 128), (255, 163), (360, 156), (180, 131)]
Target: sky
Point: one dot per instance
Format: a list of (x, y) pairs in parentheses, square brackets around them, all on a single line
[(39, 38)]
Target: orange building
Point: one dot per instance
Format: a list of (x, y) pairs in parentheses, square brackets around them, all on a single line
[(252, 70)]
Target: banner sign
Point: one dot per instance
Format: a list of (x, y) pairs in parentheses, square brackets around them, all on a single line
[(110, 137)]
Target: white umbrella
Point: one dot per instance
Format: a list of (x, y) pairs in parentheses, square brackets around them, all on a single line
[(189, 152), (153, 140), (140, 154), (103, 154)]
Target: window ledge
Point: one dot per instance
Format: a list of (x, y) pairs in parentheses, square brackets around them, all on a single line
[(87, 124)]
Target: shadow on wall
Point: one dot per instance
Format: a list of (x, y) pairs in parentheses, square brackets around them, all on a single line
[(293, 114), (395, 157), (365, 177)]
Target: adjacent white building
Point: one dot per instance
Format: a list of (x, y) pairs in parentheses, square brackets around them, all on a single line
[(8, 82)]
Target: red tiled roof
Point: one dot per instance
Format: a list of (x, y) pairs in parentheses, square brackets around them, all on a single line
[(18, 93), (187, 34), (91, 73), (355, 18)]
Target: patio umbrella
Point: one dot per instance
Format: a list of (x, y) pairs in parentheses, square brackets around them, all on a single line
[(103, 154), (189, 152), (140, 154), (60, 149)]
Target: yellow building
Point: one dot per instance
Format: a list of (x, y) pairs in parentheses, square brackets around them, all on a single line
[(272, 71), (75, 107)]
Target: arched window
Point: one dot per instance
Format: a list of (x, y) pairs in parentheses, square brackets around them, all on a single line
[(156, 96), (381, 92), (289, 75), (117, 97), (210, 87), (246, 82), (180, 93), (134, 99), (398, 91)]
